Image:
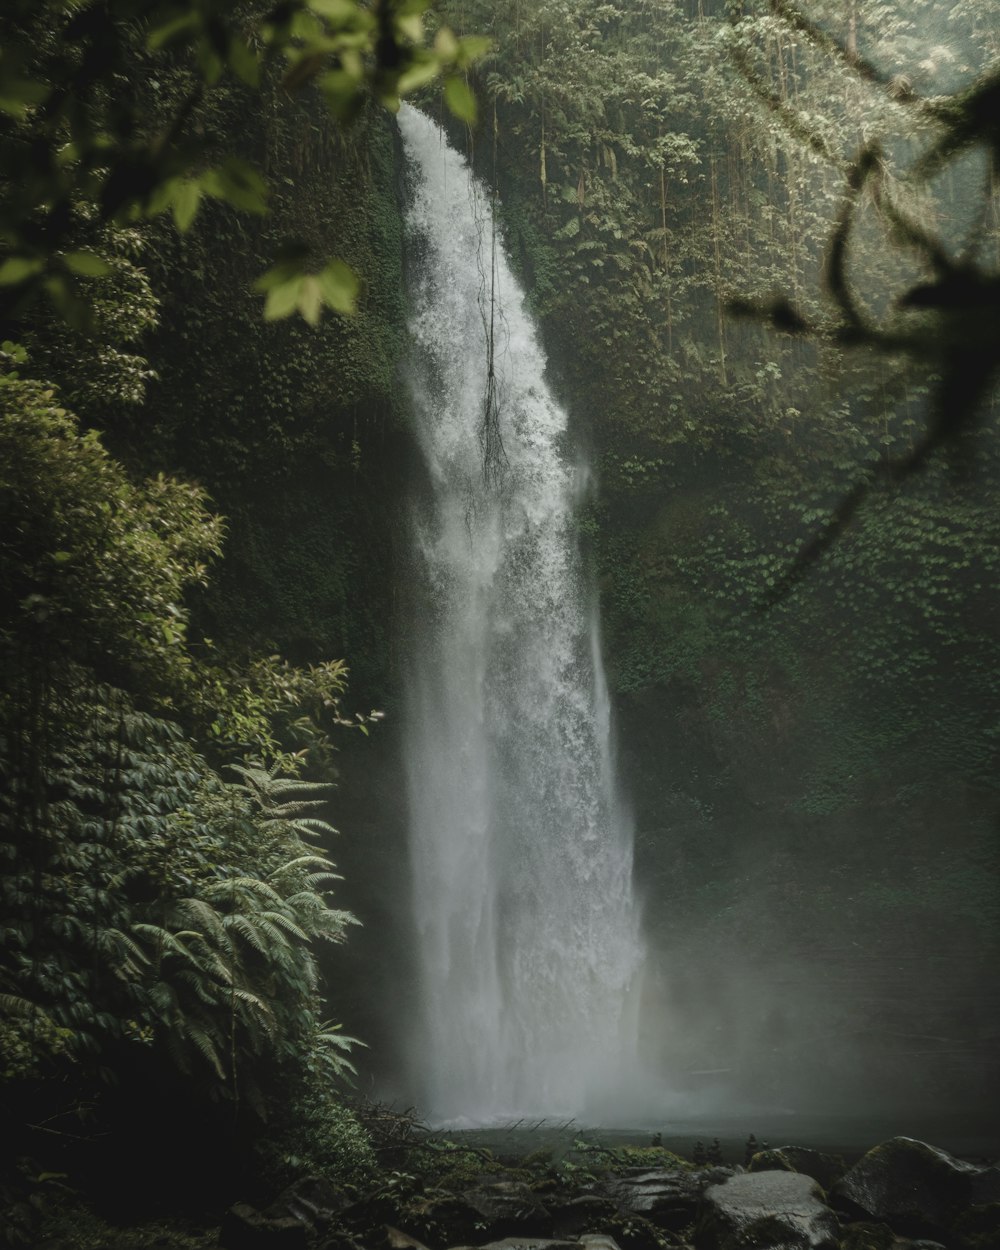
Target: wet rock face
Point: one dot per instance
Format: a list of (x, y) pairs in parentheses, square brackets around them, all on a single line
[(767, 1211), (826, 1169), (668, 1199), (916, 1188)]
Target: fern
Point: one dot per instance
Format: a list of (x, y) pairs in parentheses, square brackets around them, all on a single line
[(154, 904)]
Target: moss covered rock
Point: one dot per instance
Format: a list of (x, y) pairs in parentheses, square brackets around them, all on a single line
[(826, 1169)]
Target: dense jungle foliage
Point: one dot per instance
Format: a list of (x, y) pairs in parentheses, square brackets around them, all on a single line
[(763, 256), (174, 184)]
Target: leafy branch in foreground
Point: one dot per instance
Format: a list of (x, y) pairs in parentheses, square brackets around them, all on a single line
[(70, 136), (946, 320)]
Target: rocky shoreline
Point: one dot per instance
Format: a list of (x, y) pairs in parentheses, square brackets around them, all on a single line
[(902, 1195)]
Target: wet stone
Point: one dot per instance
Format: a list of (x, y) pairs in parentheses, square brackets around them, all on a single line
[(668, 1199), (826, 1169), (767, 1211), (918, 1189)]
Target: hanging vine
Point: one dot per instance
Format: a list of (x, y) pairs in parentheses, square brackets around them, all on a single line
[(494, 455)]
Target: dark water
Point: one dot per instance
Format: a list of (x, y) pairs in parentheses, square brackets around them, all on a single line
[(849, 1136)]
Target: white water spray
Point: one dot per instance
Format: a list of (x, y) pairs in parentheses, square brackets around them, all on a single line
[(527, 929)]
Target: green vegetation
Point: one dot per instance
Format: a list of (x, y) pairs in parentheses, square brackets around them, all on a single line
[(105, 109), (166, 879), (795, 535)]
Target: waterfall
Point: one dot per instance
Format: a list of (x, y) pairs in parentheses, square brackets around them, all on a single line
[(527, 931)]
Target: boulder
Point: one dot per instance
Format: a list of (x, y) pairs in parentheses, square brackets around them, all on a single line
[(398, 1240), (979, 1226), (919, 1190), (880, 1237), (314, 1201), (668, 1199), (523, 1243), (507, 1207), (865, 1236), (571, 1214), (823, 1168), (441, 1219), (597, 1241), (476, 1216), (246, 1228), (767, 1211)]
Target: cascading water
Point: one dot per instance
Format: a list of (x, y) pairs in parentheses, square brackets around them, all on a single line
[(527, 930)]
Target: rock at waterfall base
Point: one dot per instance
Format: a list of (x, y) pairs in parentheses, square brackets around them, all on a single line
[(670, 1199), (767, 1211), (246, 1228), (301, 1213), (918, 1189), (573, 1214), (596, 1241), (826, 1169), (506, 1207)]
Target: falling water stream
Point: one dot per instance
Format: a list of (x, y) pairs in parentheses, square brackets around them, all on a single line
[(527, 931)]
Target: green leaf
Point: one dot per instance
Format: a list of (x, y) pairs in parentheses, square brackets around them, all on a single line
[(244, 63), (186, 198), (17, 98), (446, 45), (172, 31), (87, 264), (337, 12), (423, 70), (17, 269), (342, 92), (459, 97), (339, 285), (292, 258), (17, 91), (68, 304), (310, 303), (238, 184), (283, 298), (410, 26), (472, 48)]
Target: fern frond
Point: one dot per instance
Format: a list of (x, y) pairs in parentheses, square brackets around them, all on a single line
[(280, 947), (248, 930), (223, 890), (313, 827), (123, 941), (15, 1005), (295, 790), (293, 811), (206, 1046), (168, 943), (300, 862), (245, 996), (202, 914), (205, 990)]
